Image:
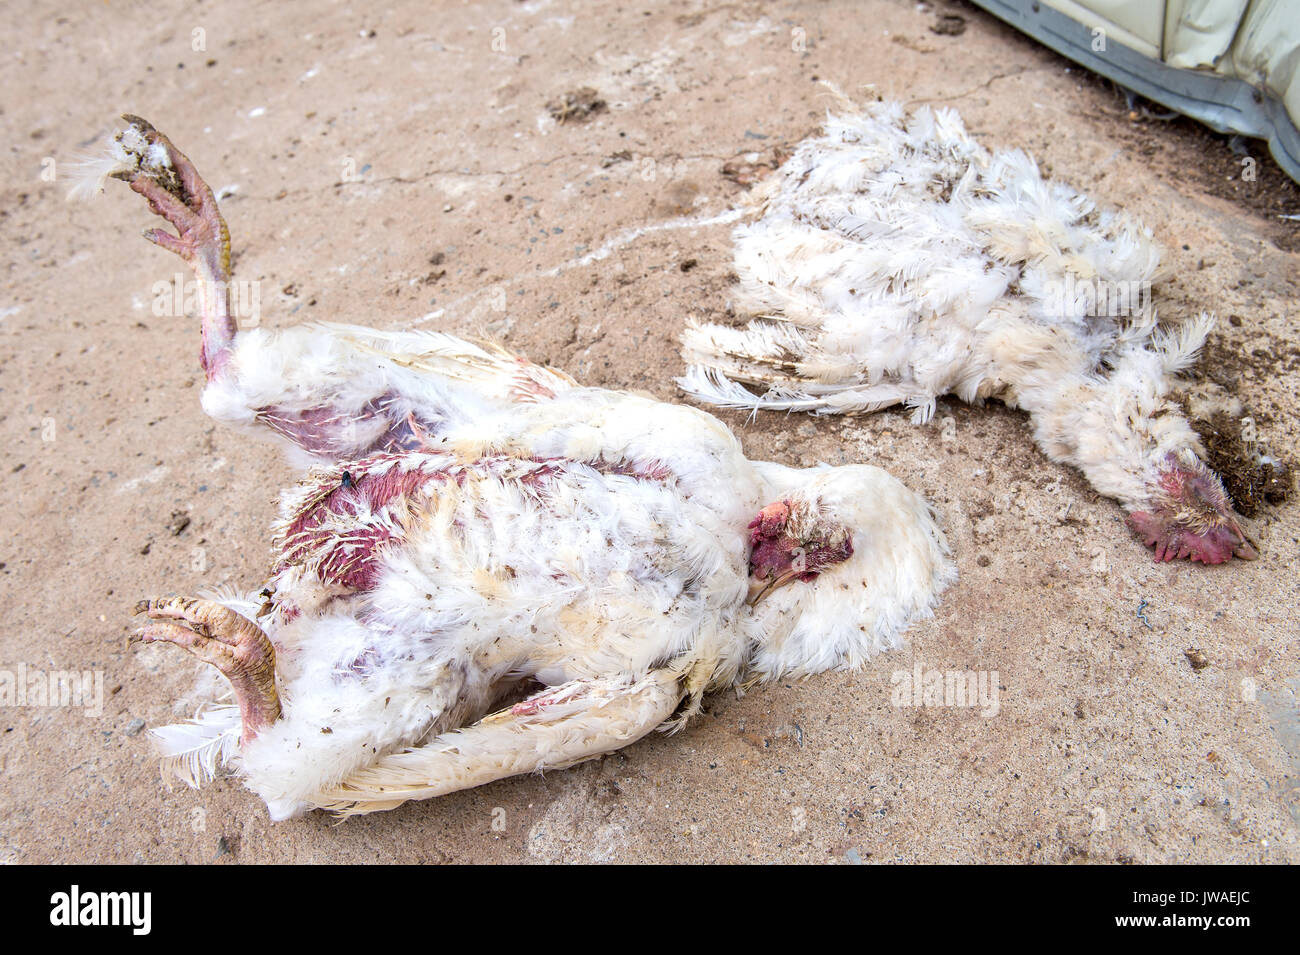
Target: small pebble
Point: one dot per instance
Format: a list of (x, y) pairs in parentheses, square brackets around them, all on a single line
[(134, 727)]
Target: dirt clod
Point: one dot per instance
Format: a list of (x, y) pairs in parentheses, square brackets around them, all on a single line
[(744, 172), (1251, 478), (577, 106), (949, 24)]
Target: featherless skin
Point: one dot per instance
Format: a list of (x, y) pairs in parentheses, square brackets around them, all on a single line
[(487, 569), (895, 260)]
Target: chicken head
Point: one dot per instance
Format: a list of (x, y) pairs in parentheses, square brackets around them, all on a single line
[(790, 541), (1191, 515)]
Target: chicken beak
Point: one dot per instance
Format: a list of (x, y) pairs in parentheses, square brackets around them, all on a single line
[(758, 589), (1245, 549)]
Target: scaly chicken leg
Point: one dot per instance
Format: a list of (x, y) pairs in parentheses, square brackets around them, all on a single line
[(233, 644), (177, 192)]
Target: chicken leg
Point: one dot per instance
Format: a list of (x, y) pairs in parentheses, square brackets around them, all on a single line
[(174, 189), (233, 644), (333, 391)]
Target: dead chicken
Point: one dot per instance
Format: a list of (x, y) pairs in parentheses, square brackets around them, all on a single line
[(895, 260), (489, 570)]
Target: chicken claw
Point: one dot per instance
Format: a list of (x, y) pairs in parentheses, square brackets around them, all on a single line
[(233, 644), (164, 175), (177, 193)]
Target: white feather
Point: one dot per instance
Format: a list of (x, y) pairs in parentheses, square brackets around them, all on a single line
[(126, 152), (194, 751)]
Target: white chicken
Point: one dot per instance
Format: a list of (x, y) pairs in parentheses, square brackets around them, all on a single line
[(489, 570), (896, 260)]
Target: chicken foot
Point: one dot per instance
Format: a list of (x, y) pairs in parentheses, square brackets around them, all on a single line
[(177, 193), (232, 643)]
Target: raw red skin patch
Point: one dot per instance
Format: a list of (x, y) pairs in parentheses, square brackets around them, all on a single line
[(336, 527)]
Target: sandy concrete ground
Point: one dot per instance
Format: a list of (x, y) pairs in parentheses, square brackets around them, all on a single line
[(400, 169)]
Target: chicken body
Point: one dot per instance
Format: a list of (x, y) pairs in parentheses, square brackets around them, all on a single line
[(412, 600), (896, 260), (476, 532)]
